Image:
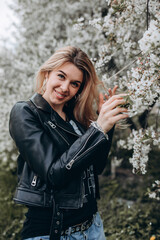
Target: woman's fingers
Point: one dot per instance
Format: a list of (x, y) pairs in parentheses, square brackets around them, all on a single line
[(114, 90), (116, 111), (111, 105), (118, 117), (116, 114), (110, 118), (111, 112), (115, 97), (111, 92), (106, 96)]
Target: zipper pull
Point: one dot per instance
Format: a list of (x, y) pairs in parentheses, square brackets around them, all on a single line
[(69, 165), (34, 181), (51, 124)]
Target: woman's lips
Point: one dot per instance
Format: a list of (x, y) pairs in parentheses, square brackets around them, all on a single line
[(60, 95)]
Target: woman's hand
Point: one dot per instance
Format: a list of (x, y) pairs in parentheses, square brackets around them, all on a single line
[(110, 113), (101, 98)]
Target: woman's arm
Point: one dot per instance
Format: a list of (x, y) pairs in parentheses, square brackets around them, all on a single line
[(111, 92), (42, 154)]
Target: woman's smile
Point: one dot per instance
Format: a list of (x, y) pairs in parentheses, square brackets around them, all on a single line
[(60, 95)]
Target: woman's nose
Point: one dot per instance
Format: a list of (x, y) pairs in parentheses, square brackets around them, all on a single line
[(65, 86)]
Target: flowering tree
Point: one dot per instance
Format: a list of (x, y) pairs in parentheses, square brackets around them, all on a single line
[(132, 31)]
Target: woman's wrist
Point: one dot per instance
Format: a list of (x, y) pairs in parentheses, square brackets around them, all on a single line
[(97, 126)]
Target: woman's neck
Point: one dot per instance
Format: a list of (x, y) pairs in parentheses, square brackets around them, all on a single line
[(62, 114)]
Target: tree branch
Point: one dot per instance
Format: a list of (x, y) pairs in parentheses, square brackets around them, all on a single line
[(147, 14)]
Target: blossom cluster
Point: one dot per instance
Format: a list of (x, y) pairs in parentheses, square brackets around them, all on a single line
[(144, 85), (141, 149), (151, 38), (119, 41), (155, 192), (140, 141)]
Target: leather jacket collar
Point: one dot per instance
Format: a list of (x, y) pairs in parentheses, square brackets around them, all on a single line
[(43, 105), (40, 102)]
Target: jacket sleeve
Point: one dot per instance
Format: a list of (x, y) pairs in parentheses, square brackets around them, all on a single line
[(99, 166), (41, 153)]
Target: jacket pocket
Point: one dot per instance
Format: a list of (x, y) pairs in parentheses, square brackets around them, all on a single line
[(31, 197)]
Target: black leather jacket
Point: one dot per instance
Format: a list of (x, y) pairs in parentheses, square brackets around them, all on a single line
[(52, 156)]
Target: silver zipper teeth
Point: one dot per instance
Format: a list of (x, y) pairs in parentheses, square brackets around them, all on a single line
[(73, 160), (34, 181), (89, 149), (54, 127), (69, 165)]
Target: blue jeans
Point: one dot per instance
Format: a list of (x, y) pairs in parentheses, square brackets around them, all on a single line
[(95, 232)]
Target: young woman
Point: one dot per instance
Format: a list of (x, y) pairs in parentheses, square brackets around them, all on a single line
[(63, 146)]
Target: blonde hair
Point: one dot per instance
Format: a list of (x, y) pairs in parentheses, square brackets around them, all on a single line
[(83, 106)]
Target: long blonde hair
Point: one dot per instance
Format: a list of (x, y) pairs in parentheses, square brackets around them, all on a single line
[(85, 106)]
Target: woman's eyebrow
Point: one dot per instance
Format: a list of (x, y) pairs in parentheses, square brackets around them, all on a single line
[(62, 72)]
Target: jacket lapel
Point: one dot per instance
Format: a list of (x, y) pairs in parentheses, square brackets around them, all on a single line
[(43, 105)]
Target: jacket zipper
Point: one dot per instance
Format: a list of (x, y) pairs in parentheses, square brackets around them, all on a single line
[(54, 127), (69, 165), (34, 181), (89, 149)]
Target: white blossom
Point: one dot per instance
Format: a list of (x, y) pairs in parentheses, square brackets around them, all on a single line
[(140, 141), (155, 192), (96, 22), (151, 38), (152, 195)]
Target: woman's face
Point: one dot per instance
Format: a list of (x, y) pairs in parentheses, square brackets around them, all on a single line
[(62, 85)]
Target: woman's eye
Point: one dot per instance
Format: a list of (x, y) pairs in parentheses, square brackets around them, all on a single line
[(74, 84), (60, 76)]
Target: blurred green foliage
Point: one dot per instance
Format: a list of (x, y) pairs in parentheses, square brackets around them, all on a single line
[(127, 211), (11, 215)]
